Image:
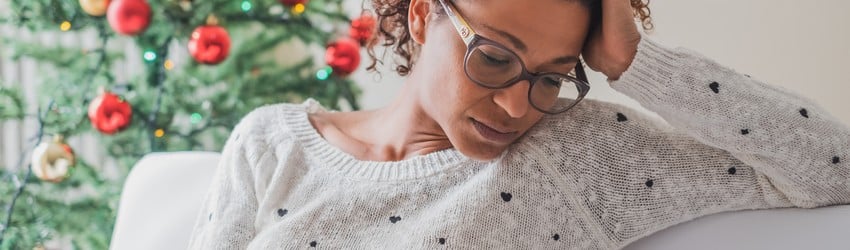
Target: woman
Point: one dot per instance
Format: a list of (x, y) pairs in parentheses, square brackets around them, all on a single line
[(477, 151)]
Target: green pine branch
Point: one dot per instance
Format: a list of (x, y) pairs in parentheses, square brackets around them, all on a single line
[(11, 103)]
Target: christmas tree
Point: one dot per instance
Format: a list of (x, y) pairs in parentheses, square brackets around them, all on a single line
[(240, 54)]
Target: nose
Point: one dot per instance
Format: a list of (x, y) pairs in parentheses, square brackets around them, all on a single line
[(514, 99)]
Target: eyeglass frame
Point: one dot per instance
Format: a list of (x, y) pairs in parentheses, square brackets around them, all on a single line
[(474, 40)]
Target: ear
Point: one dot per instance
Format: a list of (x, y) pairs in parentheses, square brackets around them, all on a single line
[(417, 19)]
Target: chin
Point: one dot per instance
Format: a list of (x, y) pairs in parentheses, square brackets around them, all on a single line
[(482, 152), (471, 146)]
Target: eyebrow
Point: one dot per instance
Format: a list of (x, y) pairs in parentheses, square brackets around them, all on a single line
[(521, 46)]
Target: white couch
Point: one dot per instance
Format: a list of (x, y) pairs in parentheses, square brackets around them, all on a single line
[(164, 191)]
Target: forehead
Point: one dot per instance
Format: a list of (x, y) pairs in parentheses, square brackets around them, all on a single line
[(550, 26)]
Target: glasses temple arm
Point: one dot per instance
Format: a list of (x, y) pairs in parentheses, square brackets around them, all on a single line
[(580, 72), (458, 22)]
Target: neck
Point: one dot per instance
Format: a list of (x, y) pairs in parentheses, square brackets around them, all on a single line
[(402, 129)]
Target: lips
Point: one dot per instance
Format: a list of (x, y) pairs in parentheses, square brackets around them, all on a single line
[(493, 134)]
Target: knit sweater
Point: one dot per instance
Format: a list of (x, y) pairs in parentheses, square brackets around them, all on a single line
[(599, 176)]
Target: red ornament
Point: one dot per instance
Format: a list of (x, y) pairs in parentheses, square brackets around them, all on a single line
[(209, 44), (290, 3), (362, 28), (109, 114), (343, 56), (129, 17)]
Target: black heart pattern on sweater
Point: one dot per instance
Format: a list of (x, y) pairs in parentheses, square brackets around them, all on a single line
[(506, 196), (281, 212), (804, 113), (313, 243), (621, 117), (715, 87), (394, 219)]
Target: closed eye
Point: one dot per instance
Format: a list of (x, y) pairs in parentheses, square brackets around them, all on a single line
[(493, 60)]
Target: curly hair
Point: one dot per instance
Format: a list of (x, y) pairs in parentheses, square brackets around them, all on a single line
[(392, 29)]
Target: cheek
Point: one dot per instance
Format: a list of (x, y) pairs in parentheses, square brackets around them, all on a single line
[(447, 95), (449, 91), (459, 96)]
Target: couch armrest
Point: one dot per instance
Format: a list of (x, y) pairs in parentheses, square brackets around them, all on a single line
[(161, 199), (775, 229)]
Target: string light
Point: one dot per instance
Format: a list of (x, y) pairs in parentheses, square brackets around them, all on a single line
[(324, 74), (246, 6), (149, 56), (196, 118), (168, 64), (65, 26), (298, 9), (159, 133)]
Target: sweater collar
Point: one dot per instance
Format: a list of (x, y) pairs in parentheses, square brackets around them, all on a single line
[(346, 164)]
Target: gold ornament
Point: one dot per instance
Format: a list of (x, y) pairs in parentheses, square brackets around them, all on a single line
[(52, 161), (95, 7)]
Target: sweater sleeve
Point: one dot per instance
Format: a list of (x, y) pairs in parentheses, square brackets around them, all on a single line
[(226, 219), (794, 142), (731, 142)]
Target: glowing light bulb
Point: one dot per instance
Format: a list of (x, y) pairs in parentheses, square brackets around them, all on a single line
[(65, 26)]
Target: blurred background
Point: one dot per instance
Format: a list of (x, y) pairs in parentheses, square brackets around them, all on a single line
[(802, 46)]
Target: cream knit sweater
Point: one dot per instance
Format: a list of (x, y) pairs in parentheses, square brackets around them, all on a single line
[(596, 177)]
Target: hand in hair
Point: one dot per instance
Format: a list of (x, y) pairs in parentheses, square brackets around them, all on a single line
[(612, 45)]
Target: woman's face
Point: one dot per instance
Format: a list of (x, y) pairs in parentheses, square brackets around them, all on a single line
[(481, 123)]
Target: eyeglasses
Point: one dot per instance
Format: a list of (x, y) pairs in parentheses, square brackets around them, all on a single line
[(494, 66)]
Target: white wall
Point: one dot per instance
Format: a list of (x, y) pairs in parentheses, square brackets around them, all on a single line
[(803, 46)]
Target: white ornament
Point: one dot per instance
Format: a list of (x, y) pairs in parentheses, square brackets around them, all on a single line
[(51, 161)]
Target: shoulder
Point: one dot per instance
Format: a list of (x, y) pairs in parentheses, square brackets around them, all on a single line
[(271, 125), (594, 126), (592, 116), (268, 119)]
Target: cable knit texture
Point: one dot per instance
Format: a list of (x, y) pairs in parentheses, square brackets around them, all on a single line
[(597, 177)]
